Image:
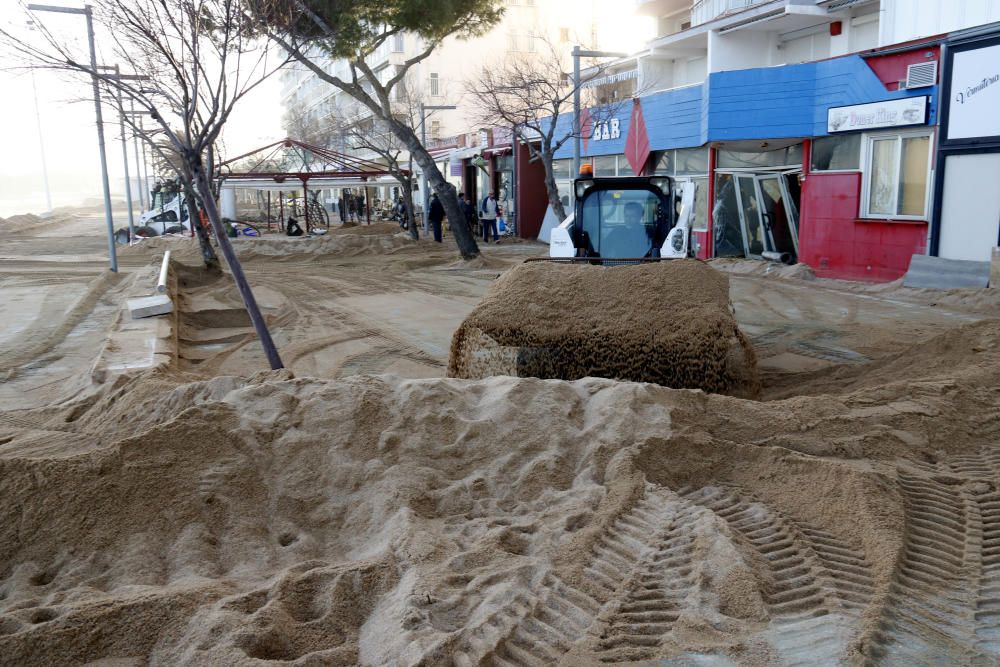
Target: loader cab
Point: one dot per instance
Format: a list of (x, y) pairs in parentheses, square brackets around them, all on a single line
[(617, 218)]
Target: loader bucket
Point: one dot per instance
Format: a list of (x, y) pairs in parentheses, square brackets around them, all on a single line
[(666, 322)]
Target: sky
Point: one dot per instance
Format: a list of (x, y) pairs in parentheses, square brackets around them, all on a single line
[(68, 128), (65, 113)]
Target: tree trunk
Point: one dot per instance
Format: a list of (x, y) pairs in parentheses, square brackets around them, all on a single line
[(256, 318), (551, 188), (447, 195), (411, 219), (207, 251)]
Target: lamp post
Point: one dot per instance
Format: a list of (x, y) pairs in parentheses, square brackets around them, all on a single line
[(88, 13), (118, 76), (424, 108), (577, 54), (41, 144)]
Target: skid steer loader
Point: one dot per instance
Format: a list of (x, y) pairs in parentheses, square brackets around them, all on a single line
[(620, 296)]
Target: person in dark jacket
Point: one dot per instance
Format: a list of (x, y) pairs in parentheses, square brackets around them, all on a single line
[(292, 227), (436, 216), (469, 210)]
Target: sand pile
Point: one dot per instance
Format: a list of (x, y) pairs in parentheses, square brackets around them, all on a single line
[(349, 242), (670, 323), (377, 521)]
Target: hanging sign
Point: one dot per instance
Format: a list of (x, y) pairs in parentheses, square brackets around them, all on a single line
[(892, 113), (975, 94)]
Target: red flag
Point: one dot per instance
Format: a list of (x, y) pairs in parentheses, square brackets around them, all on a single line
[(586, 127), (637, 144)]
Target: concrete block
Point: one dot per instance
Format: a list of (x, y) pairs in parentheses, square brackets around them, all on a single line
[(995, 269), (939, 273), (149, 306)]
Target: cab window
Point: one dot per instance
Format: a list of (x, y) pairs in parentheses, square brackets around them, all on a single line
[(621, 223)]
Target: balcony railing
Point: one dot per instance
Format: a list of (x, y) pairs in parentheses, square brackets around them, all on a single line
[(704, 11)]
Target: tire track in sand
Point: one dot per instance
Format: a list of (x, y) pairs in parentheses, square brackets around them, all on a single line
[(929, 617), (820, 583), (537, 632), (656, 597)]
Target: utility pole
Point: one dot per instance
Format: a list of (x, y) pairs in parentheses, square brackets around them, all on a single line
[(138, 164), (423, 140), (118, 76), (41, 144), (88, 13), (121, 122), (577, 130)]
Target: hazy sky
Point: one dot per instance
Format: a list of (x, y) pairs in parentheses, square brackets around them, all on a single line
[(69, 131)]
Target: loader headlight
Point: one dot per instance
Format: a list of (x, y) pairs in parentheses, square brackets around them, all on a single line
[(677, 240)]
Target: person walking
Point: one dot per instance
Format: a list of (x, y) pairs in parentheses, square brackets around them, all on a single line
[(469, 211), (488, 214), (436, 216)]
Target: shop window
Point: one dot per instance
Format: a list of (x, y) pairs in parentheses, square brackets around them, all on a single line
[(782, 157), (691, 161), (700, 222), (897, 172), (839, 153), (561, 169), (605, 165)]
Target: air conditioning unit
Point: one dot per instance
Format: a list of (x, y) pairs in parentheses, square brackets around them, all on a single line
[(921, 75)]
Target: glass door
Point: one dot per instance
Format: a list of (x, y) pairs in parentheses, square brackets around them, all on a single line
[(780, 212), (756, 235)]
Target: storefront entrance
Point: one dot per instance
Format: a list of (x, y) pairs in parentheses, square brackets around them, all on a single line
[(756, 212)]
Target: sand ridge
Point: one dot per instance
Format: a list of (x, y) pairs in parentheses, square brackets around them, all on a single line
[(339, 514)]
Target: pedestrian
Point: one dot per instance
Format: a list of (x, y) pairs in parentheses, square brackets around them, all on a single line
[(436, 216), (292, 227), (469, 211), (488, 213)]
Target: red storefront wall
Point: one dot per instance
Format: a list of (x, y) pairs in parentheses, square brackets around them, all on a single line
[(532, 199), (836, 244)]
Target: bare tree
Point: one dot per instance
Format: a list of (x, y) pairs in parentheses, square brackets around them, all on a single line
[(530, 94), (313, 31), (373, 135), (199, 59)]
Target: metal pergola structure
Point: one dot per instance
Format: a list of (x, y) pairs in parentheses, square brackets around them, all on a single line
[(303, 162)]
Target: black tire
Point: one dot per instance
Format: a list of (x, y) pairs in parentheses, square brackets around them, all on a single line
[(175, 229), (145, 232)]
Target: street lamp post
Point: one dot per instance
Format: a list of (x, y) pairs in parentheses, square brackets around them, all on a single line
[(138, 164), (88, 13), (424, 108), (41, 144), (118, 76), (577, 54)]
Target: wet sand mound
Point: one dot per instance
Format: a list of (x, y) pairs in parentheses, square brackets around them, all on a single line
[(670, 323), (345, 243), (376, 521)]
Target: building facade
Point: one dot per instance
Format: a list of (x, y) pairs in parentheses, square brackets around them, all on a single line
[(473, 158), (814, 129)]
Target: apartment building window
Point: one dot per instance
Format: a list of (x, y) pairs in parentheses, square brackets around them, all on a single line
[(837, 153), (896, 176), (563, 34), (397, 43), (531, 41), (435, 129), (435, 85)]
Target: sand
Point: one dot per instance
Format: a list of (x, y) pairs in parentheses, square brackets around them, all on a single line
[(203, 513), (670, 323)]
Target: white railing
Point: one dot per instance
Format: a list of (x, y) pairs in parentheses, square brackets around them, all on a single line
[(704, 11)]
